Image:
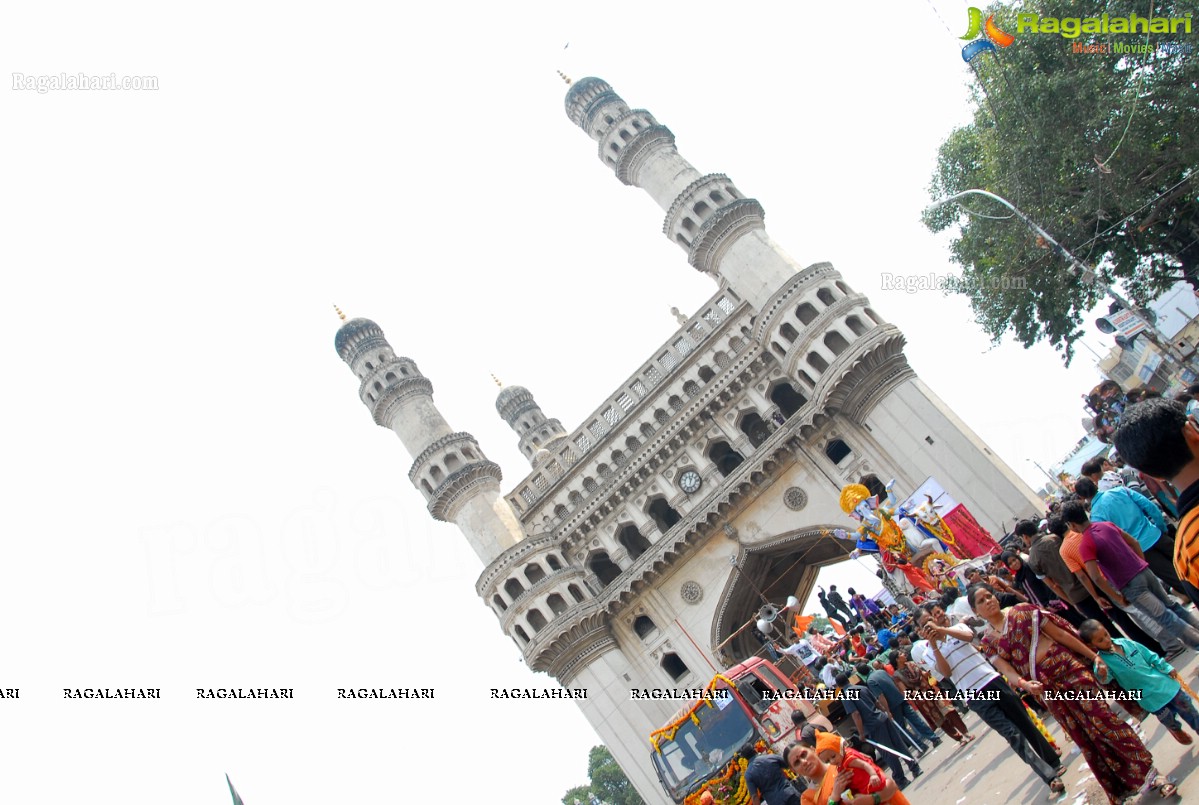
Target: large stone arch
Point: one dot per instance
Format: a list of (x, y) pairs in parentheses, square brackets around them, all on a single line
[(786, 565)]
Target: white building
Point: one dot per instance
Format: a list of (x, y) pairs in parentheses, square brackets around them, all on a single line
[(642, 540)]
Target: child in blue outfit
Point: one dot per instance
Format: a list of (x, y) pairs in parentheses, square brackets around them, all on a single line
[(1135, 667)]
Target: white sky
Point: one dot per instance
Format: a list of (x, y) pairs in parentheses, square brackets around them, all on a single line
[(195, 495)]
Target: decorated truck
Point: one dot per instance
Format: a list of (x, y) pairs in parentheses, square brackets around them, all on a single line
[(750, 703)]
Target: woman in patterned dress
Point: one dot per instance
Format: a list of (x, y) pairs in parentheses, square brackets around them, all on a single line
[(937, 711), (1040, 653)]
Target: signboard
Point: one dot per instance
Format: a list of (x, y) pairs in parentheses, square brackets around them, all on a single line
[(1149, 367), (1127, 322), (930, 487)]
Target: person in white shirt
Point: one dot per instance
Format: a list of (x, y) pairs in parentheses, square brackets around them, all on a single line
[(946, 651)]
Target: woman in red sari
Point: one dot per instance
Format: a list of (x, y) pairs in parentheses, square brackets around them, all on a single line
[(1040, 653)]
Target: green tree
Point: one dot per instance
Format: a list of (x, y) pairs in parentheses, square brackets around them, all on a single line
[(1099, 149), (608, 783)]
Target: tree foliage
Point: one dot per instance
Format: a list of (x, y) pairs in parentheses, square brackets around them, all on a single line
[(609, 784), (1099, 149)]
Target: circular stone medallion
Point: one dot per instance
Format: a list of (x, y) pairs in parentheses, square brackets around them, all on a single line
[(795, 498), (691, 592)]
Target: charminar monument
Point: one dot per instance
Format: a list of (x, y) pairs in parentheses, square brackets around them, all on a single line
[(610, 563)]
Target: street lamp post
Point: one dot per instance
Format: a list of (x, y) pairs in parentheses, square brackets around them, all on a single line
[(1085, 272)]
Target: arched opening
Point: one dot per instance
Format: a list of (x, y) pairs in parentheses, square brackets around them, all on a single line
[(520, 633), (452, 464), (842, 287), (618, 458), (661, 417), (690, 388), (499, 602), (647, 430), (604, 568), (806, 313), (390, 377), (675, 402), (663, 514), (724, 457), (873, 316), (787, 399), (782, 353), (575, 498), (605, 472), (534, 573), (632, 541), (835, 342), (590, 486), (643, 626), (753, 426), (736, 345), (436, 474), (788, 332), (425, 486), (855, 325), (837, 451), (825, 296), (706, 373), (559, 511), (370, 367), (575, 593), (817, 361), (556, 603), (632, 443), (553, 562), (513, 588), (673, 666), (536, 620)]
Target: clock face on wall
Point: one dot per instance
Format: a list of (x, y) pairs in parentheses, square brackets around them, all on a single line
[(690, 482)]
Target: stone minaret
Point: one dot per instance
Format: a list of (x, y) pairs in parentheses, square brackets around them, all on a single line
[(522, 413), (721, 230), (460, 485)]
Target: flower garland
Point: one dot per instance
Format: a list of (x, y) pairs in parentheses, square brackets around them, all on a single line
[(672, 729), (1040, 725), (723, 788), (739, 793)]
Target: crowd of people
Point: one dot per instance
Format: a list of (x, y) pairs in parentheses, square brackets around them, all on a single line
[(1078, 624)]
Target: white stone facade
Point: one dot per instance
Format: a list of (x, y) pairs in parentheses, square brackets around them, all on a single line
[(781, 389)]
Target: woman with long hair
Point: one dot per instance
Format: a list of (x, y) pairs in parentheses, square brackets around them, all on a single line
[(1040, 653), (928, 700)]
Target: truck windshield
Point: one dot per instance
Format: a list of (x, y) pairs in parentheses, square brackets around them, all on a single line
[(699, 751)]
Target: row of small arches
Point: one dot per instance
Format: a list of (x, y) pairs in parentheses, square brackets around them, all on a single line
[(623, 135), (390, 377), (452, 464), (702, 212), (533, 573), (784, 395), (536, 620)]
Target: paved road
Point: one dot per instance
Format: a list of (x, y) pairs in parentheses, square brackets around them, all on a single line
[(987, 772)]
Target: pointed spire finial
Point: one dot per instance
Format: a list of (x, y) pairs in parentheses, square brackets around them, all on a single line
[(565, 78), (497, 381), (340, 315)]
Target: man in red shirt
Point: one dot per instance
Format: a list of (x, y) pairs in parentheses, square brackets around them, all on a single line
[(1114, 562)]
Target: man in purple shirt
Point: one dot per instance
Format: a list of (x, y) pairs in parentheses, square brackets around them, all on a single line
[(1114, 561)]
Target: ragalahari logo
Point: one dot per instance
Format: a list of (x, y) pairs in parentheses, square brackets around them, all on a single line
[(990, 36)]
